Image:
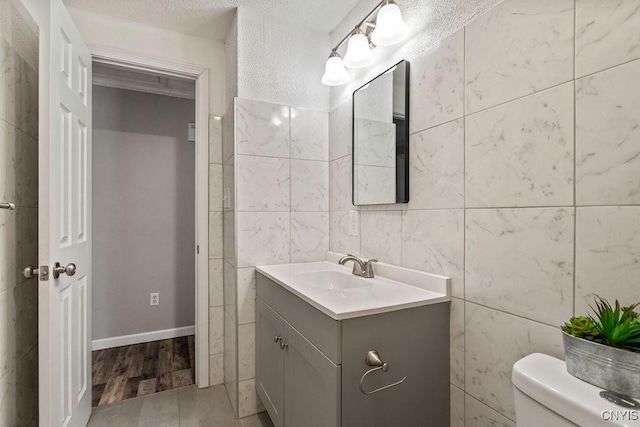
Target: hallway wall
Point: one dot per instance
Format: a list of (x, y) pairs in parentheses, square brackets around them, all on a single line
[(18, 228), (143, 212)]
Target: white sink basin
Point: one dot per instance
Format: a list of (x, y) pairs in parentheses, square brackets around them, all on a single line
[(332, 288), (333, 280)]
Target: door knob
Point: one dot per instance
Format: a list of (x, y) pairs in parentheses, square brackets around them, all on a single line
[(69, 270), (30, 272)]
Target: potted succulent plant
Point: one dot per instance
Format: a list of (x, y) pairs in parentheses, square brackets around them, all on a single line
[(603, 349)]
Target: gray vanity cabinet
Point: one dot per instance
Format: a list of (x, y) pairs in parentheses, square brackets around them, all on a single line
[(270, 364), (296, 382), (311, 373)]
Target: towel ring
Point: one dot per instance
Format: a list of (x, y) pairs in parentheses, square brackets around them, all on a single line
[(373, 359)]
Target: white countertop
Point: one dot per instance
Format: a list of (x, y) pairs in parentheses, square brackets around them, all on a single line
[(411, 288)]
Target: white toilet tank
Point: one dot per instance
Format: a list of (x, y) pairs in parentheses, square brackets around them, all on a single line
[(547, 396)]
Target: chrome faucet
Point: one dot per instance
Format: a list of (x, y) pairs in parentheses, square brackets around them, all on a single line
[(360, 268)]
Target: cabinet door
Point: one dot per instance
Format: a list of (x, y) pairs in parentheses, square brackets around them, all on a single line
[(312, 384), (270, 361)]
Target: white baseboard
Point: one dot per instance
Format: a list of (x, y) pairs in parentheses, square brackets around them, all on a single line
[(143, 337)]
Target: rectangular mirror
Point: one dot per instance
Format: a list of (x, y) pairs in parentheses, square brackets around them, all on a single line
[(381, 139)]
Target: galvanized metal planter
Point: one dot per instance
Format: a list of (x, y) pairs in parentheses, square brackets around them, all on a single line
[(606, 367)]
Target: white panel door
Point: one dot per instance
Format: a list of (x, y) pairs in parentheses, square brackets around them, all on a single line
[(64, 221)]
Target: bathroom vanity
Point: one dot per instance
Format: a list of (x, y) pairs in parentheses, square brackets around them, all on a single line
[(334, 349)]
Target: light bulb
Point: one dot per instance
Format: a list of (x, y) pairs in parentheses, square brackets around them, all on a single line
[(334, 72), (359, 54), (390, 28)]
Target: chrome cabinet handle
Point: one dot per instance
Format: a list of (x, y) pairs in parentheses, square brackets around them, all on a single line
[(9, 206), (373, 359), (69, 270), (283, 345), (277, 339)]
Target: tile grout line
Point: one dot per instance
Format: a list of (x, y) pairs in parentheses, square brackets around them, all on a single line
[(575, 155)]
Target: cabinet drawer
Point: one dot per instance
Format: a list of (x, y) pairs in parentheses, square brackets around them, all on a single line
[(324, 332)]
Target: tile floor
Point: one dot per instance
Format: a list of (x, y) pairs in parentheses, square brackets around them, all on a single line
[(136, 370), (183, 407)]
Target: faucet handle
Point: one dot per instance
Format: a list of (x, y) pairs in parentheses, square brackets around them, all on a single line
[(368, 268)]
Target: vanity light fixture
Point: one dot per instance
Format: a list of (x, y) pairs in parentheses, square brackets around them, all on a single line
[(334, 72), (383, 26), (359, 53)]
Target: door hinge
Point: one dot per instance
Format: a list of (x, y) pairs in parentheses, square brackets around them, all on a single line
[(44, 273), (197, 248)]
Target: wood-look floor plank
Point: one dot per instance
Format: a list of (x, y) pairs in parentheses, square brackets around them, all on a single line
[(147, 386), (165, 381), (182, 378), (136, 360), (125, 372), (180, 359), (107, 358), (165, 356)]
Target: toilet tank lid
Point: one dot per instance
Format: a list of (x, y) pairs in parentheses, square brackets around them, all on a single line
[(545, 379)]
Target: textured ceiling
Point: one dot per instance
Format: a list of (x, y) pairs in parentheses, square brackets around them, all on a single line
[(211, 18)]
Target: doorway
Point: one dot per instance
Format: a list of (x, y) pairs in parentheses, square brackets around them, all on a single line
[(145, 200), (143, 299)]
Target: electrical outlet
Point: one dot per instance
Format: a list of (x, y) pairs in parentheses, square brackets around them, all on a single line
[(154, 298), (354, 223)]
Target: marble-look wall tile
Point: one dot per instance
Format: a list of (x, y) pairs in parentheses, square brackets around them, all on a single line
[(262, 128), (10, 84), (263, 238), (517, 48), (309, 134), (608, 137), (340, 240), (216, 282), (229, 249), (29, 98), (376, 143), (246, 295), (8, 399), (433, 241), (215, 139), (309, 186), (607, 255), (10, 163), (436, 167), (456, 342), (478, 414), (374, 185), (309, 236), (521, 153), (27, 389), (246, 351), (215, 235), (230, 287), (381, 236), (215, 187), (216, 330), (341, 136), (521, 261), (606, 34), (28, 165), (9, 249), (228, 187), (263, 184), (456, 408), (228, 133), (340, 188), (494, 342), (10, 311), (437, 85), (248, 401), (216, 369)]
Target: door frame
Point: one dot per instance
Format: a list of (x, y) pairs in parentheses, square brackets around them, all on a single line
[(200, 74)]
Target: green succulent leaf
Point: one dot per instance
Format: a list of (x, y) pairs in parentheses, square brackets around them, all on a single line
[(617, 326)]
